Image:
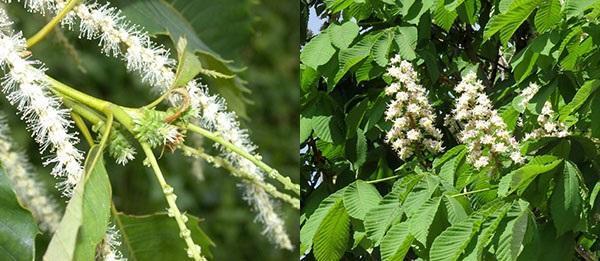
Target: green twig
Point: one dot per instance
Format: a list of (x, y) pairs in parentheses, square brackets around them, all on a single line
[(193, 249)]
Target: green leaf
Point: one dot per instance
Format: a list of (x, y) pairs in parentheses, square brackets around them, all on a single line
[(159, 17), (548, 16), (451, 153), (356, 149), (96, 202), (331, 238), (341, 36), (85, 221), (420, 194), (317, 51), (17, 227), (353, 55), (452, 242), (308, 231), (305, 129), (225, 26), (381, 217), (488, 230), (354, 118), (525, 61), (575, 8), (582, 95), (511, 242), (406, 40), (156, 237), (566, 202), (420, 222), (382, 47), (396, 243), (359, 198), (596, 115), (444, 15), (507, 23), (188, 65), (519, 179), (454, 208)]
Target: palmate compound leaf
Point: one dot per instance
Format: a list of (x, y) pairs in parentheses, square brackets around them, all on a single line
[(308, 231), (451, 243), (359, 198), (396, 242), (381, 217), (566, 201), (85, 221), (331, 238), (156, 237), (17, 227)]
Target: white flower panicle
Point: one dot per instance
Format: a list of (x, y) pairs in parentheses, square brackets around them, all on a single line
[(30, 191), (215, 117), (26, 87), (528, 93), (549, 126), (482, 129), (108, 250), (410, 112)]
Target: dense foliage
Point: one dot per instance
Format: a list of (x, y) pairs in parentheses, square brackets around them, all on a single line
[(246, 39), (537, 62)]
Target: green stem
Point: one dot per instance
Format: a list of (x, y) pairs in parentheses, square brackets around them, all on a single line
[(287, 183), (158, 100), (470, 192), (82, 127), (383, 179), (53, 23), (221, 162), (93, 102), (193, 249)]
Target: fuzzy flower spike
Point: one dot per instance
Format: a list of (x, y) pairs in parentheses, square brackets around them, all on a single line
[(26, 88), (482, 129), (30, 191), (413, 118), (216, 118)]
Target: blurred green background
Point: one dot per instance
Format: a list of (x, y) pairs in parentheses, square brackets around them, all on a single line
[(260, 36)]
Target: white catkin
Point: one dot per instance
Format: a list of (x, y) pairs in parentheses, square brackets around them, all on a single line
[(412, 116), (30, 191), (482, 129), (156, 68), (215, 117), (108, 250), (26, 87)]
